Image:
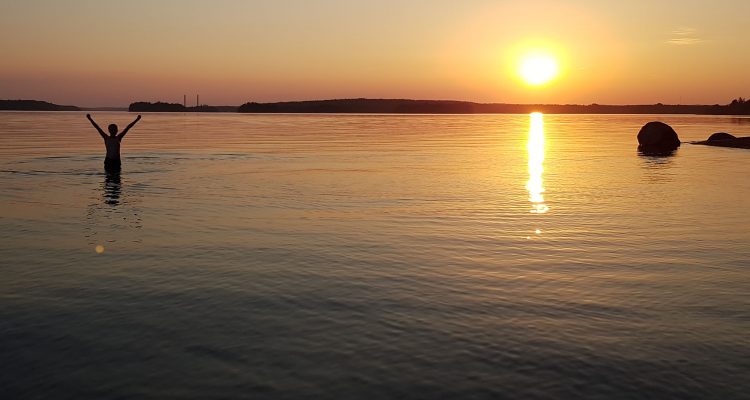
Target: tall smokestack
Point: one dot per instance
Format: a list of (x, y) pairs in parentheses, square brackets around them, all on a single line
[(197, 100)]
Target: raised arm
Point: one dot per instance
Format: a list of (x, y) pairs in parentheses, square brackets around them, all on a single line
[(101, 132), (127, 128)]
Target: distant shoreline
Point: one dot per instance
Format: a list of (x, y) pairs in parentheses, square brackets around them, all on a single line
[(33, 105), (738, 107), (405, 106)]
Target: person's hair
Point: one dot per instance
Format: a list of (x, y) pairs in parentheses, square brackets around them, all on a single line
[(112, 128)]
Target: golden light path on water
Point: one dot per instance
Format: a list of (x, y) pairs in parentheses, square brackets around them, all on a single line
[(535, 147)]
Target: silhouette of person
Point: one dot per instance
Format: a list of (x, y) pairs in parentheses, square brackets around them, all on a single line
[(112, 143)]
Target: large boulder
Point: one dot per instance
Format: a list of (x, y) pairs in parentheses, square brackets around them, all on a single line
[(657, 137), (721, 136)]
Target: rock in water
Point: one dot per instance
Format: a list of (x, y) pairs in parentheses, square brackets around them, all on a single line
[(723, 139), (721, 136), (657, 137)]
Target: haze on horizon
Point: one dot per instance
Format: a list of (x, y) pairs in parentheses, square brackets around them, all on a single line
[(106, 53)]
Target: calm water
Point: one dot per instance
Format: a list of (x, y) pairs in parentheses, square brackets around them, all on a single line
[(372, 257)]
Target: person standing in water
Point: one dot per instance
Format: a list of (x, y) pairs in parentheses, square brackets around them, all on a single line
[(112, 143)]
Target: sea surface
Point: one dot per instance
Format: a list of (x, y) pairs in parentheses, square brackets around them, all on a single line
[(372, 257)]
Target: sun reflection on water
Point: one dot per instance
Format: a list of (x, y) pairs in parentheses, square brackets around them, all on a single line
[(535, 147)]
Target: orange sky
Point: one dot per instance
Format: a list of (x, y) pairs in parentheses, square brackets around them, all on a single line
[(107, 53)]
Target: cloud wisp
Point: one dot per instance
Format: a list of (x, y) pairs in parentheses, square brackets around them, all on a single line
[(684, 36)]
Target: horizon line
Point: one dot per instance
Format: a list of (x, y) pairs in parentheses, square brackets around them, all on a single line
[(388, 99)]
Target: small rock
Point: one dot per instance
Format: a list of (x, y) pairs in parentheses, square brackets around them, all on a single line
[(721, 136)]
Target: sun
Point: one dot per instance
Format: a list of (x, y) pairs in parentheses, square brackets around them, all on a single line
[(538, 68)]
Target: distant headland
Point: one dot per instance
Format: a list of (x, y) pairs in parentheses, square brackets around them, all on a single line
[(34, 105), (403, 106), (406, 106), (739, 106), (159, 106)]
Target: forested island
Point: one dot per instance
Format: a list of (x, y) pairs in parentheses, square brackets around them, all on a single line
[(404, 106), (739, 106), (142, 106), (33, 105)]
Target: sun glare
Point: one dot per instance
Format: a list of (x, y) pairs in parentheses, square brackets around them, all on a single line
[(538, 68), (535, 146)]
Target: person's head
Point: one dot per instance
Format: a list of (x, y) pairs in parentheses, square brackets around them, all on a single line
[(112, 129)]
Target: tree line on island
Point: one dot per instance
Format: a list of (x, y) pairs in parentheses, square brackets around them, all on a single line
[(402, 106), (33, 105), (739, 106), (142, 106)]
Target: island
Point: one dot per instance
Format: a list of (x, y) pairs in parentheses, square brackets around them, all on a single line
[(406, 106), (143, 106), (33, 105), (738, 107)]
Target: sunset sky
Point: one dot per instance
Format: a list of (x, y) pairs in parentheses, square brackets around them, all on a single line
[(111, 53)]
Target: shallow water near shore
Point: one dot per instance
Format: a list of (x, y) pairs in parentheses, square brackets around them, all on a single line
[(372, 256)]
